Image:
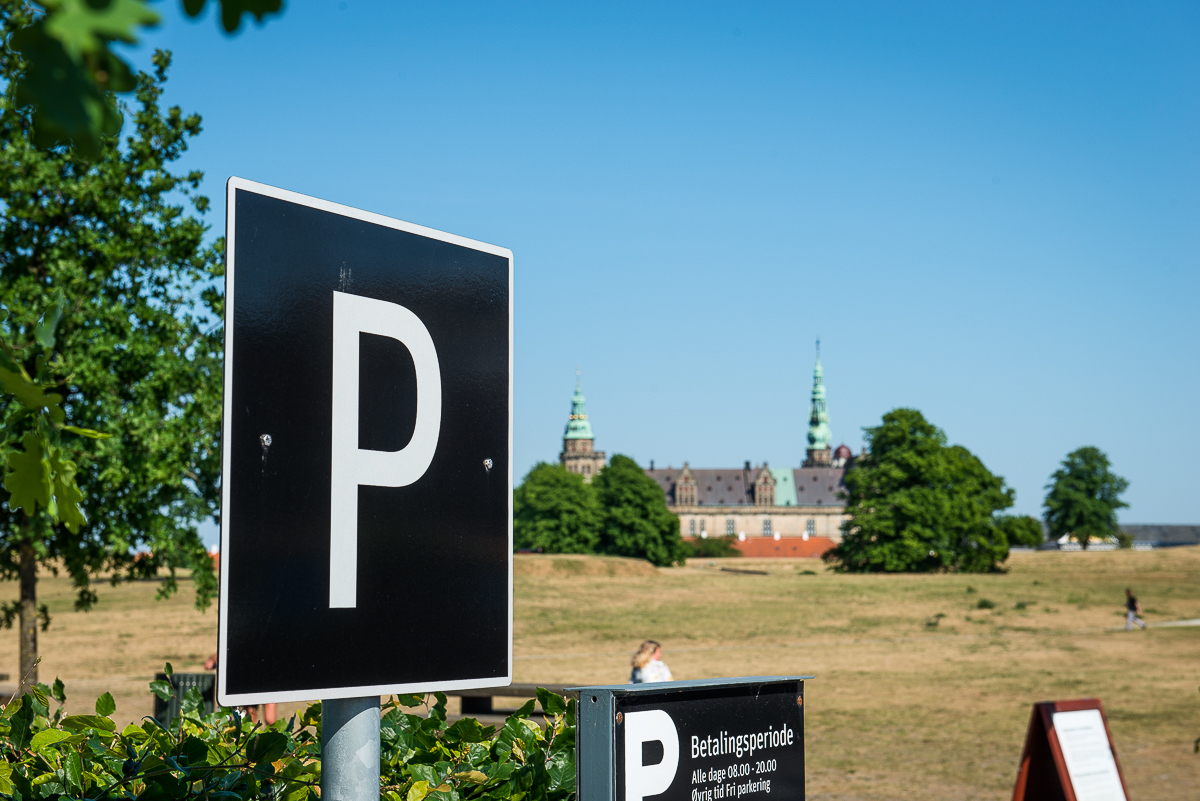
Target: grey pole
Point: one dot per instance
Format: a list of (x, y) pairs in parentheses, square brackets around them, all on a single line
[(350, 749)]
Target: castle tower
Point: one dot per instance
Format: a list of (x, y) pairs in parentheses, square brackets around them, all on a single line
[(819, 436), (578, 454)]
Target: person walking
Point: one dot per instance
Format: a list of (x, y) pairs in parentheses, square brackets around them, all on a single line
[(648, 665), (1132, 609)]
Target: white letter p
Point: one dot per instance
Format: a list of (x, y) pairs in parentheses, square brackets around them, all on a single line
[(350, 466), (643, 727)]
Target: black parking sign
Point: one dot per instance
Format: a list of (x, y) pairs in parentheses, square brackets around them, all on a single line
[(737, 739), (366, 516)]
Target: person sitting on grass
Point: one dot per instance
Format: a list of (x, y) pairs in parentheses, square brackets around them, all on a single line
[(648, 665)]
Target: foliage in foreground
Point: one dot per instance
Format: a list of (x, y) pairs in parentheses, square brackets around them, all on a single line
[(73, 71), (623, 512), (109, 249), (1083, 497), (223, 755), (916, 504)]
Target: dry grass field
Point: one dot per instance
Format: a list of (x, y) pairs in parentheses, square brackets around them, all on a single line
[(900, 708)]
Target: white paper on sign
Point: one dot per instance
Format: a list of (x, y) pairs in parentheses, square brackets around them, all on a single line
[(1088, 755)]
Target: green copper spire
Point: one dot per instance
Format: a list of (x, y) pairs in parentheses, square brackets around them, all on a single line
[(819, 436), (578, 426)]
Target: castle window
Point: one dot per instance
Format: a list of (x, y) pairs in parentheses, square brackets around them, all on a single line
[(729, 527), (767, 531), (810, 529), (692, 528), (703, 528)]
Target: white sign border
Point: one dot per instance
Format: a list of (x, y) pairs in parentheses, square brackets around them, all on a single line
[(246, 699)]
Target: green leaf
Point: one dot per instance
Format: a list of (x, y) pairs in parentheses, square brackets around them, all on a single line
[(59, 691), (15, 381), (193, 704), (47, 737), (20, 722), (168, 669), (40, 694), (86, 27), (28, 479), (552, 703), (418, 791), (438, 712), (105, 705), (83, 722), (162, 689), (6, 785), (195, 751), (266, 747), (43, 332), (467, 730), (66, 492), (425, 773), (232, 10), (87, 432), (69, 108), (73, 769)]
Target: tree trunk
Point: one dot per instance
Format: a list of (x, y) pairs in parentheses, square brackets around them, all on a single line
[(29, 616)]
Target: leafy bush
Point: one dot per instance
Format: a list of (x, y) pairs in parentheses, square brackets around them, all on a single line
[(225, 756), (984, 603), (711, 547), (555, 511), (623, 512), (636, 521), (1021, 530)]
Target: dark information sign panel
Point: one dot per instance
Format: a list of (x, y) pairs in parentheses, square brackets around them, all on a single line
[(366, 519), (720, 740)]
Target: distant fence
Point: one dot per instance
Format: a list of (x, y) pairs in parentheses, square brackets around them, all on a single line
[(1146, 537)]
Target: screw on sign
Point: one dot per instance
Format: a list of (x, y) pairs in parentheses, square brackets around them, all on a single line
[(368, 375)]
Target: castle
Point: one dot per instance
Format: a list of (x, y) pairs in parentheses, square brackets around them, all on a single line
[(768, 511)]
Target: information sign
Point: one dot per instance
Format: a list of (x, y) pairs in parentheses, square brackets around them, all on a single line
[(716, 740), (366, 514), (1069, 755)]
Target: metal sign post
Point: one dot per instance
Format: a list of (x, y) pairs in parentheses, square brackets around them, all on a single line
[(710, 740), (350, 749), (367, 466)]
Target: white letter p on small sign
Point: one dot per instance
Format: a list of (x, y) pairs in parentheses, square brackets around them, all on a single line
[(643, 727), (352, 467)]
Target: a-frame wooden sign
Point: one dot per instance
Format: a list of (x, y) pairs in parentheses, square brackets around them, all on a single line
[(1069, 755)]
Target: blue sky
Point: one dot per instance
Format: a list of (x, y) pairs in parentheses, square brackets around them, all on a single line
[(986, 211)]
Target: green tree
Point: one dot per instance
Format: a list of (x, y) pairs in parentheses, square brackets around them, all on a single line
[(556, 511), (1022, 530), (137, 351), (1083, 497), (72, 71), (636, 521), (916, 504)]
